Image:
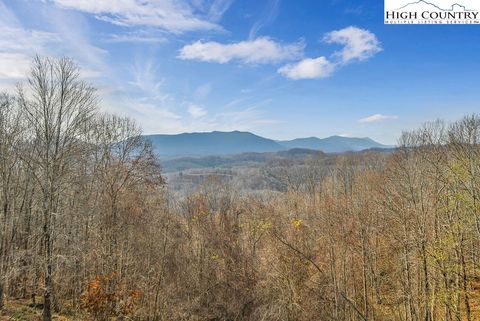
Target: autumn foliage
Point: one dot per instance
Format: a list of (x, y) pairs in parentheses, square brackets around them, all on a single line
[(103, 298), (94, 231)]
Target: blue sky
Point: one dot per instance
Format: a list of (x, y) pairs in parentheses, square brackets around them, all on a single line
[(279, 68)]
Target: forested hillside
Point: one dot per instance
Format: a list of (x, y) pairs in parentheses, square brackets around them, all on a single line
[(90, 231)]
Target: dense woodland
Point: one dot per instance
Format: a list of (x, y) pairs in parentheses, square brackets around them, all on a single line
[(89, 229)]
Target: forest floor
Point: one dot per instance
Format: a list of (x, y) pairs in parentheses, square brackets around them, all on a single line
[(22, 310)]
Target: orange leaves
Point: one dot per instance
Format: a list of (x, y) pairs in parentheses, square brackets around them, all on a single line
[(105, 298), (197, 207)]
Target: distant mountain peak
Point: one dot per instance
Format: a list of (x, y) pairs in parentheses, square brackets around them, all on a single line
[(334, 144), (236, 142)]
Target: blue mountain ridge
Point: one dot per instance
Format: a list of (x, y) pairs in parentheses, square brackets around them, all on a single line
[(236, 142)]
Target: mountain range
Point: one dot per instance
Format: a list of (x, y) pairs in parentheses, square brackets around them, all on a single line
[(236, 142)]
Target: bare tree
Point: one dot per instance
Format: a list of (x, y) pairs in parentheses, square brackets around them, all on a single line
[(10, 137), (57, 107)]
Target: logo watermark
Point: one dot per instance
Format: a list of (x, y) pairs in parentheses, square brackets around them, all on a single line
[(432, 12)]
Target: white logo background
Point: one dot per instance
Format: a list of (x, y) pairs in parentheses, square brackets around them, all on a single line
[(413, 5), (432, 11)]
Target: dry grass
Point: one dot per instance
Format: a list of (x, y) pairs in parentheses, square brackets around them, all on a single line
[(22, 310)]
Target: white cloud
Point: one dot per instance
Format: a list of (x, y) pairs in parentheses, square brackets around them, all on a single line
[(308, 68), (359, 44), (377, 118), (258, 51), (13, 66), (196, 111), (172, 15), (17, 46), (65, 37)]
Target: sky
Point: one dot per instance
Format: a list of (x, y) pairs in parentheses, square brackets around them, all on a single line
[(282, 69)]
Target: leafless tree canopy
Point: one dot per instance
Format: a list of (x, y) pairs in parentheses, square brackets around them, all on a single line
[(90, 231)]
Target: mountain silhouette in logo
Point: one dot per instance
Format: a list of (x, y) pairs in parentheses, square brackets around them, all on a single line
[(454, 7)]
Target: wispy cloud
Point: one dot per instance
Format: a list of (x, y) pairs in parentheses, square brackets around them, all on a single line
[(246, 119), (196, 111), (65, 37), (157, 118), (145, 78), (137, 37), (16, 48), (269, 15), (13, 39), (154, 118), (202, 91), (135, 89), (175, 16), (7, 17), (13, 67), (76, 41), (377, 118), (19, 44), (218, 8), (262, 50)]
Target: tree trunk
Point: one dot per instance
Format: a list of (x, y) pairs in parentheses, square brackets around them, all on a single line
[(465, 283), (2, 302), (364, 276), (428, 317), (47, 295)]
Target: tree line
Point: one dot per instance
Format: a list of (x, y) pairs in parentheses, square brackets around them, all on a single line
[(89, 229)]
